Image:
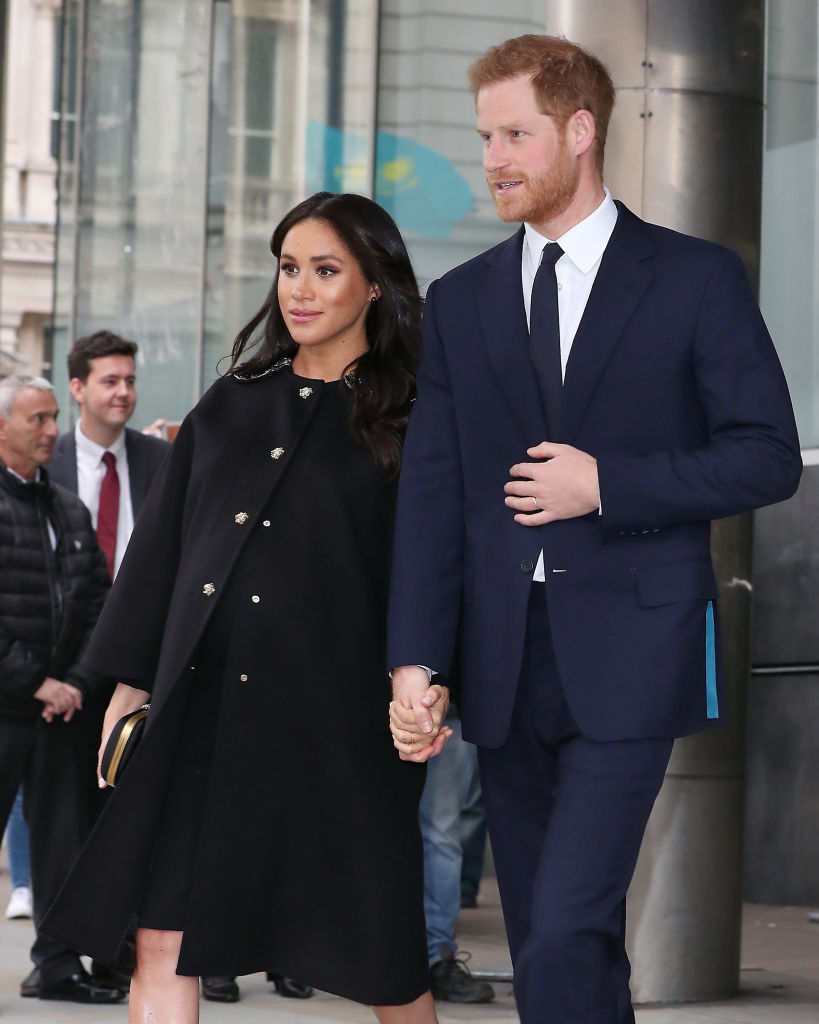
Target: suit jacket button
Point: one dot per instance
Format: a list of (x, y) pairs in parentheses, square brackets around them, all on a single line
[(526, 565)]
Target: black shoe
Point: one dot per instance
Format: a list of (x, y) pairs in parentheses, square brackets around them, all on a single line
[(220, 990), (288, 987), (79, 988), (450, 980), (30, 985), (109, 977), (468, 901)]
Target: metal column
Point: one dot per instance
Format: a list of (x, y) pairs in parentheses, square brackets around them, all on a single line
[(685, 151)]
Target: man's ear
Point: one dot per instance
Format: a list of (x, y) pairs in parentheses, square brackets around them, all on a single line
[(77, 389), (583, 130)]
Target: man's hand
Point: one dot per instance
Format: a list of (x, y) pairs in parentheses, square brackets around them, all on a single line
[(60, 699), (417, 712), (156, 429), (565, 487)]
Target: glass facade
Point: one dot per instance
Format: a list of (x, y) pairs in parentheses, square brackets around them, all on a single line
[(789, 291), (186, 130), (132, 186)]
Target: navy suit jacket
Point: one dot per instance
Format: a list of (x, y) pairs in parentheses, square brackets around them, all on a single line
[(674, 386), (145, 455)]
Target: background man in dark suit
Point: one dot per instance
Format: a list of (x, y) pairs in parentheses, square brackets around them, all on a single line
[(584, 410), (102, 373)]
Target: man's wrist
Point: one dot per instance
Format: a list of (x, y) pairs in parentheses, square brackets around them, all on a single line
[(430, 672)]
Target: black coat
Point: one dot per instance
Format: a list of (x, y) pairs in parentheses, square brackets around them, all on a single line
[(303, 860), (49, 597)]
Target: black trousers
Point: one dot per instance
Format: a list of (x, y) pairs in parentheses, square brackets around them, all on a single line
[(566, 817), (56, 763)]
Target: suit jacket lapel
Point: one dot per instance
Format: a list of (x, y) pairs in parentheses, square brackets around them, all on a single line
[(625, 272), (63, 467), (136, 473), (503, 319)]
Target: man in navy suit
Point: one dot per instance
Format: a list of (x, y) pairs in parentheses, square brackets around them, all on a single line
[(102, 378), (554, 510)]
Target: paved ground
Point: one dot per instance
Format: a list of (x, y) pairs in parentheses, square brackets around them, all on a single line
[(780, 980)]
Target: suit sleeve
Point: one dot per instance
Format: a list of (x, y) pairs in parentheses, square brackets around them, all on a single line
[(751, 457), (427, 571)]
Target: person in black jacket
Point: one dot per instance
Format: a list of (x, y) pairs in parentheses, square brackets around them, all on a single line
[(53, 581)]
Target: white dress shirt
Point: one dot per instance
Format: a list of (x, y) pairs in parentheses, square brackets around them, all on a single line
[(90, 473), (583, 247)]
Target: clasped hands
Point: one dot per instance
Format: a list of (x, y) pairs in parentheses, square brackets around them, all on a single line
[(563, 487), (417, 712), (60, 700)]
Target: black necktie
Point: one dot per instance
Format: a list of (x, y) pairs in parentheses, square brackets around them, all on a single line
[(544, 338)]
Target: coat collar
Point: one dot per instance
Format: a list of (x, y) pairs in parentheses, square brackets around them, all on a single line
[(624, 274)]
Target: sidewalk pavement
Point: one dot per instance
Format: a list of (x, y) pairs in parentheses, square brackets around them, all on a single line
[(779, 983)]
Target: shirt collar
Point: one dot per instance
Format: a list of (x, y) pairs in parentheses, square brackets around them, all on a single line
[(38, 475), (91, 450), (584, 243)]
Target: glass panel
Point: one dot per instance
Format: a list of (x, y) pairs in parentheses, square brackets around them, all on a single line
[(64, 141), (789, 294), (139, 193), (429, 173), (289, 79)]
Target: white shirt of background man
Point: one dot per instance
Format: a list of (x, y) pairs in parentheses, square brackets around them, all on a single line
[(90, 472)]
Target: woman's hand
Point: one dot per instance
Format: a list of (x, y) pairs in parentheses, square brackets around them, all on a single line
[(125, 699), (417, 712)]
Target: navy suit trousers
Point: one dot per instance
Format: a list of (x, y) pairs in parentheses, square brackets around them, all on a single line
[(566, 817)]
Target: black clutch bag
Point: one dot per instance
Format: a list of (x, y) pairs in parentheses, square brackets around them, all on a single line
[(122, 743)]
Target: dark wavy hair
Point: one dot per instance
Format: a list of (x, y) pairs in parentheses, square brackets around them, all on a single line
[(385, 374)]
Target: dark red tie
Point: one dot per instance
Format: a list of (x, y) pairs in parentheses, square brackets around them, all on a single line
[(108, 515)]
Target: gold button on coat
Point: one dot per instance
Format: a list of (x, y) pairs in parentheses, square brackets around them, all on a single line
[(277, 453), (208, 590), (241, 518)]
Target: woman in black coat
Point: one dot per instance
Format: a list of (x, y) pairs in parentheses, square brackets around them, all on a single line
[(265, 821)]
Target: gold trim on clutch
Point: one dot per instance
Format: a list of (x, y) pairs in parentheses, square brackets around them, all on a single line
[(122, 742)]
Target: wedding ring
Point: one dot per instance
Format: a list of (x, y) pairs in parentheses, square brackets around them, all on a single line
[(534, 502)]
